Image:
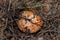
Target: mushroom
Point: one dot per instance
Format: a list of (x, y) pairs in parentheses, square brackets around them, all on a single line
[(31, 26)]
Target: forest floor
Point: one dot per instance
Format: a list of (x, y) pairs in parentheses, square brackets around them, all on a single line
[(48, 9)]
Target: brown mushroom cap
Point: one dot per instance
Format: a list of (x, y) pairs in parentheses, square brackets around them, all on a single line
[(33, 25)]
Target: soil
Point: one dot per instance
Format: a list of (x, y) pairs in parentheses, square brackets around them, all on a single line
[(49, 10)]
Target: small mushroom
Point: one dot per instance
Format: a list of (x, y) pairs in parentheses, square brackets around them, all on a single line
[(31, 26)]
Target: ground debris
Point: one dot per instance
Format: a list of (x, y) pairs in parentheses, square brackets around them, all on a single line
[(9, 14)]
